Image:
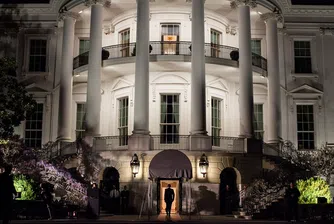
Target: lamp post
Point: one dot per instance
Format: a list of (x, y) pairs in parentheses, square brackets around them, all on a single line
[(203, 165), (135, 164)]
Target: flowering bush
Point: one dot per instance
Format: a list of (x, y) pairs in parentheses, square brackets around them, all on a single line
[(26, 186), (311, 189)]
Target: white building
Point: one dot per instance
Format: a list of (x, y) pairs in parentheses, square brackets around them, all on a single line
[(228, 69)]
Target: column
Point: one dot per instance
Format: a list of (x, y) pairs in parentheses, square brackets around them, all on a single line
[(65, 82), (199, 139), (274, 102), (93, 104), (140, 140), (246, 73)]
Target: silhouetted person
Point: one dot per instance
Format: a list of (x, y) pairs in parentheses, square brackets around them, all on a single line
[(7, 194), (228, 200), (169, 198), (114, 196), (47, 199), (291, 196), (125, 200), (93, 208)]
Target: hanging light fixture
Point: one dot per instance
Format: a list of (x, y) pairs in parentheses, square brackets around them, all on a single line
[(203, 165), (135, 164)]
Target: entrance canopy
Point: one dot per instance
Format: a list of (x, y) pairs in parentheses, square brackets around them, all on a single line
[(170, 164)]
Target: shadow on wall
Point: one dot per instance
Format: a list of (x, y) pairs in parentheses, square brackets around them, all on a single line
[(206, 201)]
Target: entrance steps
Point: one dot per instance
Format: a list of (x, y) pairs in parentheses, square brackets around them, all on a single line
[(241, 214)]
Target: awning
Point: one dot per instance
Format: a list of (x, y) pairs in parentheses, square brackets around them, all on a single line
[(171, 164)]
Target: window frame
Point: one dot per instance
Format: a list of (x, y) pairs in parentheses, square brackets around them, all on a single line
[(28, 38), (123, 138), (302, 57), (314, 65), (256, 104), (83, 39), (220, 116), (306, 103), (43, 121), (76, 118), (260, 40)]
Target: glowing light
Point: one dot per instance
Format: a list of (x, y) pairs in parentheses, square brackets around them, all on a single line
[(80, 12), (260, 13)]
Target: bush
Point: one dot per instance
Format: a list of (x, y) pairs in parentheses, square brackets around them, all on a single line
[(311, 189), (26, 186)]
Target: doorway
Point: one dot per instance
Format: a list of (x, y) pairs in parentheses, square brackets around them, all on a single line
[(176, 186)]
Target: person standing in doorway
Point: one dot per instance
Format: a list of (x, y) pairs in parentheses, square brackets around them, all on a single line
[(114, 196), (292, 195), (169, 198), (125, 200), (47, 198)]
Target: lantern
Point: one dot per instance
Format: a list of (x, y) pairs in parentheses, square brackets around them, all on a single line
[(203, 165), (135, 164)]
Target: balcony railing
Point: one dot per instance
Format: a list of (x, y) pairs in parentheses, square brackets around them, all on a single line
[(170, 48)]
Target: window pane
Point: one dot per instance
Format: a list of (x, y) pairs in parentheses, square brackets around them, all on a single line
[(33, 129), (258, 121), (37, 56), (169, 121), (303, 62), (123, 106), (305, 126)]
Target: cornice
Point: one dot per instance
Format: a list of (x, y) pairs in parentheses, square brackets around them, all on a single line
[(302, 10)]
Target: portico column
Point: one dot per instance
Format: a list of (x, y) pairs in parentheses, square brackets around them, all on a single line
[(245, 66), (93, 103), (66, 79), (274, 103), (140, 139)]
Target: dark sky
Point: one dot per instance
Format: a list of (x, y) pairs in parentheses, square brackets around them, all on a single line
[(312, 2), (23, 1)]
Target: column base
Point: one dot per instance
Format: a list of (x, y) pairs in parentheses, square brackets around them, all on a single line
[(200, 143), (139, 142), (63, 139), (273, 142), (253, 146)]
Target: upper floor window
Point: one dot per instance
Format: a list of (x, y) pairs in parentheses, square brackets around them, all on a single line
[(84, 46), (37, 55), (258, 121), (215, 42), (256, 46), (305, 126), (169, 121), (215, 121), (302, 53), (34, 127), (123, 117), (170, 34), (124, 37), (80, 120)]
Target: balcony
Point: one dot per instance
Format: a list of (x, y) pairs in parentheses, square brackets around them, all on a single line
[(215, 54)]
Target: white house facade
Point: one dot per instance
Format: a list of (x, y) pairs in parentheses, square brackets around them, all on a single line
[(227, 79)]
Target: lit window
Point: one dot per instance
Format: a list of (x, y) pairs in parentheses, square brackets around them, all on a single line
[(215, 121), (34, 127), (170, 38), (169, 123), (303, 62), (123, 115), (258, 121), (305, 127), (37, 56), (84, 46), (80, 124)]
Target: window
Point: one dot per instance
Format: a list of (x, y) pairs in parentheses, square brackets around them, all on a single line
[(170, 36), (258, 121), (123, 114), (37, 56), (169, 123), (80, 124), (33, 127), (84, 46), (215, 121), (305, 127), (256, 46), (124, 37), (303, 62), (215, 42)]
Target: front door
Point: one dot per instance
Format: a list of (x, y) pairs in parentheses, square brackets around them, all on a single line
[(176, 186)]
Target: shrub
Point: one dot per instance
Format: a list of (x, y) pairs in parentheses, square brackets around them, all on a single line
[(26, 186), (311, 189)]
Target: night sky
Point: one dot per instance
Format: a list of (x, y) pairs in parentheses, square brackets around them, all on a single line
[(312, 2)]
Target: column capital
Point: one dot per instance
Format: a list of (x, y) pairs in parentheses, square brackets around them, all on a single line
[(68, 14), (236, 3), (273, 15), (97, 2), (326, 31)]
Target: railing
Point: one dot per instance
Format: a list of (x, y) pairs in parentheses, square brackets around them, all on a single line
[(228, 144), (178, 142), (272, 149), (170, 48), (63, 149)]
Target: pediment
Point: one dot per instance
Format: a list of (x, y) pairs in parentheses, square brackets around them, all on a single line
[(121, 83), (306, 89), (218, 84), (170, 79)]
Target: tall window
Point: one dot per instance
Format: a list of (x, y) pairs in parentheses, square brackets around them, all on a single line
[(215, 121), (37, 56), (80, 124), (303, 62), (123, 114), (124, 37), (84, 46), (305, 127), (33, 129), (215, 42), (170, 36), (258, 121), (169, 123), (256, 46)]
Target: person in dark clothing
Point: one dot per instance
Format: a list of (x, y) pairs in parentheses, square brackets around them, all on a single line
[(47, 198), (125, 200), (7, 194), (93, 208), (291, 197), (169, 198), (228, 200)]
